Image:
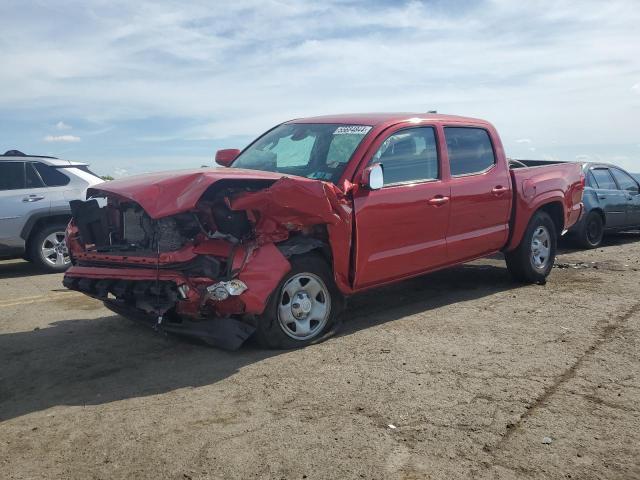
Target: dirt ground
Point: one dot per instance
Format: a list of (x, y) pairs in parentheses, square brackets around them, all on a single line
[(455, 375)]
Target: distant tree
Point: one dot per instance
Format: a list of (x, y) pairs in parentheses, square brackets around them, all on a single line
[(106, 178)]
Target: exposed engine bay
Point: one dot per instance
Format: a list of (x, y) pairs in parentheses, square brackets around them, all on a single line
[(123, 226)]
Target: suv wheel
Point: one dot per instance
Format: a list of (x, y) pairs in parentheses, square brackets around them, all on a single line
[(48, 249), (304, 308)]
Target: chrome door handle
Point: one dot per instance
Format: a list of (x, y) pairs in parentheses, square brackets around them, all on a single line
[(438, 200), (32, 198)]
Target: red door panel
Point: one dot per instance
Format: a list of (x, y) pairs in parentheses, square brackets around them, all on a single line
[(480, 192), (400, 231), (480, 208)]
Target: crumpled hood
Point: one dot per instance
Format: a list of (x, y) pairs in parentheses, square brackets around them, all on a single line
[(168, 193)]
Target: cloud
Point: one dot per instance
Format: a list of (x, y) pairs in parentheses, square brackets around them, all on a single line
[(636, 88), (523, 140), (204, 63), (61, 138), (62, 126), (205, 71)]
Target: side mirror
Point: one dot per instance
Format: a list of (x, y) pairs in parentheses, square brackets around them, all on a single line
[(373, 177), (227, 156)]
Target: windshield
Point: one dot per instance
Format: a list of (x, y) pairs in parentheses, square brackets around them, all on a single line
[(314, 150)]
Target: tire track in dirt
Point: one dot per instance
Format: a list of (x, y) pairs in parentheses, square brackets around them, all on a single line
[(605, 335)]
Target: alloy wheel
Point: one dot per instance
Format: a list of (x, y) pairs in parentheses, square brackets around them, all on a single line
[(54, 250)]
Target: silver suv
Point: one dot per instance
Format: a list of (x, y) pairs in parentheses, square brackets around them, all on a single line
[(34, 206)]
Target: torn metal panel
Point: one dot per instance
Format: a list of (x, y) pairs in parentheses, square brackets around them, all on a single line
[(291, 204), (263, 272), (167, 193), (294, 204)]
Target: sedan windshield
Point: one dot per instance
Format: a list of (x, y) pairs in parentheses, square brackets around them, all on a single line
[(319, 151)]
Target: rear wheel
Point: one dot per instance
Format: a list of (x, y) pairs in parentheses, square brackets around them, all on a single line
[(532, 260), (303, 309), (48, 249), (591, 232)]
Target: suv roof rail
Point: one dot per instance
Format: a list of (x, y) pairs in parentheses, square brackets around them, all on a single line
[(18, 153)]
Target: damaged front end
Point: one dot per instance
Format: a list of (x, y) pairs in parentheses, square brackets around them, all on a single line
[(197, 254)]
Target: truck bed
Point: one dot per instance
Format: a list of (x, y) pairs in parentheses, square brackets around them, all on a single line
[(535, 182), (516, 163)]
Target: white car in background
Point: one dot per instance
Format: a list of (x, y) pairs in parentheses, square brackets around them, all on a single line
[(34, 206)]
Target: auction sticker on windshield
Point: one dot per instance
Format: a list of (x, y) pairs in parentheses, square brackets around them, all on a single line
[(352, 130)]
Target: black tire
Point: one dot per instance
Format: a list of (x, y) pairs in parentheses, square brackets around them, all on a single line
[(271, 331), (591, 232), (36, 243), (524, 266)]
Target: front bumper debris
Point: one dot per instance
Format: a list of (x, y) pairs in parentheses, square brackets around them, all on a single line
[(225, 332)]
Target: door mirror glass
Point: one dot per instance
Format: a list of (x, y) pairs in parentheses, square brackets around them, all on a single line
[(227, 156), (373, 177)]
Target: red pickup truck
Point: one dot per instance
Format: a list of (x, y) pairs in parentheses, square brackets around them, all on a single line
[(313, 211)]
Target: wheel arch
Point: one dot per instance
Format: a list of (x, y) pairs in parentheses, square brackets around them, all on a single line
[(556, 212), (318, 242), (301, 245), (552, 204), (600, 212), (38, 221)]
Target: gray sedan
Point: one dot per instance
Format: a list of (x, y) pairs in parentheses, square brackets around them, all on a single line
[(612, 204)]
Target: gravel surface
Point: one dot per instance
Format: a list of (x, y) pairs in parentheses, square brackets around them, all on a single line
[(460, 374)]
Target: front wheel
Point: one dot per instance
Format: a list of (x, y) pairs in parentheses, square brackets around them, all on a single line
[(532, 260), (303, 309)]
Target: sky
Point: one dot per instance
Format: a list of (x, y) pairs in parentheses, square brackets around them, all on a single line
[(137, 86)]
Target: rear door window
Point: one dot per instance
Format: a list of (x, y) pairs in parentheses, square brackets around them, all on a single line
[(52, 177), (604, 179), (625, 182), (409, 156), (470, 150), (32, 178), (12, 176)]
